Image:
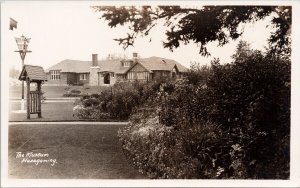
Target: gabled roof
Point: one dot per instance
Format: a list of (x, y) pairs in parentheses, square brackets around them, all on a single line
[(69, 65), (137, 62), (112, 66), (34, 73), (151, 64), (158, 63)]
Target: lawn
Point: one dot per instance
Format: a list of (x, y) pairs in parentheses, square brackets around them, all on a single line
[(51, 111), (81, 151), (56, 91)]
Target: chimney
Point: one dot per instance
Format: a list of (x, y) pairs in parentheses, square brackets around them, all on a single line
[(134, 55), (94, 69), (95, 60)]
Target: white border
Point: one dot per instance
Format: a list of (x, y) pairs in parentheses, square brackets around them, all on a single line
[(295, 154)]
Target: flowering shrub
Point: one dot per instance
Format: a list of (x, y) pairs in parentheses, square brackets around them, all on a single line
[(89, 113), (164, 152)]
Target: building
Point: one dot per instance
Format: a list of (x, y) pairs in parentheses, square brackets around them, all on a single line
[(107, 72)]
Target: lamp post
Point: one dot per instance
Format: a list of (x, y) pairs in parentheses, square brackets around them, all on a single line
[(22, 43)]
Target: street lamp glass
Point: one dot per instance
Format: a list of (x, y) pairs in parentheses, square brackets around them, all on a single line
[(22, 43)]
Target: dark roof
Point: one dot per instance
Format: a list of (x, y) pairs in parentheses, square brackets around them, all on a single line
[(35, 73), (151, 63)]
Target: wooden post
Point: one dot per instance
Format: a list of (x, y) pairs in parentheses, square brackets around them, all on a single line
[(28, 98), (39, 99)]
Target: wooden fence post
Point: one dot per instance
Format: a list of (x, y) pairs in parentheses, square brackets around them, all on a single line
[(39, 99), (28, 98)]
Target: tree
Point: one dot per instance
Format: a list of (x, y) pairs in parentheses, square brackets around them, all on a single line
[(14, 73), (242, 51), (199, 25), (250, 97), (116, 56)]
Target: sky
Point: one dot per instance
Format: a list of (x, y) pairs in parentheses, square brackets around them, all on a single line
[(72, 30)]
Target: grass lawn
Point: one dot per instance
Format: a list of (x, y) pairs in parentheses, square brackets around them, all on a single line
[(51, 111), (58, 110), (81, 151), (56, 91)]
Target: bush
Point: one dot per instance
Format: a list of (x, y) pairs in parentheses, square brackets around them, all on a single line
[(198, 74), (164, 152), (257, 92), (78, 84), (119, 101), (75, 91), (89, 113), (72, 93), (235, 123)]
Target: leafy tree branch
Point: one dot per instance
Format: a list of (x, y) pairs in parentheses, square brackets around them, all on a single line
[(198, 25)]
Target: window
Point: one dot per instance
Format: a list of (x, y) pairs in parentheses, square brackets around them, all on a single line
[(137, 75), (82, 76), (126, 64), (112, 75), (55, 75)]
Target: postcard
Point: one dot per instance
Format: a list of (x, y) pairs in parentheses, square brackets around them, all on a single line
[(150, 93)]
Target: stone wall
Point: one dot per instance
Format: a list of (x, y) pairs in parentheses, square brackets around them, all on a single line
[(94, 80)]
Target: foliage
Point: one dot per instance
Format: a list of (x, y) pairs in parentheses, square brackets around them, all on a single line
[(72, 93), (77, 84), (197, 74), (256, 89), (199, 25), (117, 102), (164, 152), (89, 113), (235, 123), (43, 98), (14, 73), (116, 56)]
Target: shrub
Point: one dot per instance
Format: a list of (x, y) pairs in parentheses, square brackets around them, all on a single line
[(164, 152), (95, 95), (72, 93), (89, 113), (198, 74), (78, 84), (256, 89), (75, 91), (118, 101), (90, 102), (235, 123)]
